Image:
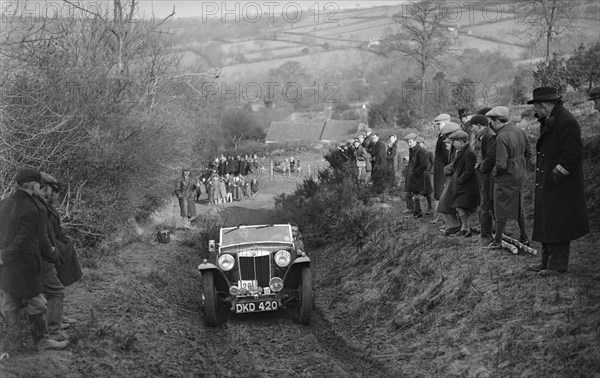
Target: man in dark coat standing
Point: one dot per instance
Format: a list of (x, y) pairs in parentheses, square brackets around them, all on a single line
[(560, 213), (466, 191), (512, 154), (379, 161), (24, 243), (441, 156), (415, 175), (485, 139)]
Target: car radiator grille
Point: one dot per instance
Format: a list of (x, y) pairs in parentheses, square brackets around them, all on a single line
[(256, 268)]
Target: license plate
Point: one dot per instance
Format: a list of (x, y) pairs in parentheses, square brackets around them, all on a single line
[(257, 306)]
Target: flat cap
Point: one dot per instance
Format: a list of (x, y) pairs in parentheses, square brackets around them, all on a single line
[(410, 136), (498, 112), (442, 118), (49, 180), (28, 175), (449, 128), (420, 139), (459, 135), (479, 119), (594, 93)]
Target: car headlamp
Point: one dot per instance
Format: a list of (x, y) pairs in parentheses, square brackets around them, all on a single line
[(276, 284), (283, 258), (226, 262)]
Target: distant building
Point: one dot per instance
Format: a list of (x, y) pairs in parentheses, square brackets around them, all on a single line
[(294, 131), (337, 130)]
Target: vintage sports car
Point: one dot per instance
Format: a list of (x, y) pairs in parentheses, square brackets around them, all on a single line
[(257, 268)]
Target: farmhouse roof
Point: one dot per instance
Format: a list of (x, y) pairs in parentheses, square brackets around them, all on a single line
[(339, 130)]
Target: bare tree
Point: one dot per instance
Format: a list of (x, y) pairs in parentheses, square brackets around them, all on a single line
[(546, 20), (421, 35)]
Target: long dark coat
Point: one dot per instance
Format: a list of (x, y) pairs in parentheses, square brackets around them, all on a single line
[(487, 161), (560, 213), (24, 242), (394, 162), (417, 165), (69, 270), (512, 153), (441, 159), (466, 188), (379, 156), (447, 196), (428, 178)]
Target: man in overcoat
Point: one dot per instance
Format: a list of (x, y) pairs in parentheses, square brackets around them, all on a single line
[(415, 175), (466, 191), (560, 208), (184, 190), (379, 162), (485, 138), (512, 154), (24, 243), (394, 160), (441, 156), (451, 222), (428, 189)]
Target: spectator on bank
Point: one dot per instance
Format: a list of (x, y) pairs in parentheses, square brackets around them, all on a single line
[(441, 156), (595, 96), (444, 207), (485, 151), (367, 141), (560, 208), (363, 159), (415, 175), (254, 187), (184, 190), (466, 191), (25, 242), (464, 115), (394, 161), (379, 162), (512, 154), (428, 191)]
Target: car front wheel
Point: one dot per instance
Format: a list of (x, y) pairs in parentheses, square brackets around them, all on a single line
[(210, 299)]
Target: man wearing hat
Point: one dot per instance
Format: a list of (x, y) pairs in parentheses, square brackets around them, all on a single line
[(443, 160), (428, 191), (441, 156), (466, 192), (184, 190), (595, 96), (24, 243), (485, 151), (512, 154), (379, 162), (56, 277), (560, 208), (415, 173)]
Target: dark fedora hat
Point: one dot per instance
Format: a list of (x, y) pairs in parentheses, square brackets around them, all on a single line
[(544, 94)]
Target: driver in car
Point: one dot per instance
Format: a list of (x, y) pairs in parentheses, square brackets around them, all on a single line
[(298, 244)]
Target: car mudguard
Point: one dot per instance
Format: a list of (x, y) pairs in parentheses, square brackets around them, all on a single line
[(293, 276), (221, 282)]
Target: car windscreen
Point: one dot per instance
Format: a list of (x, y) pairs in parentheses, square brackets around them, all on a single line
[(267, 233)]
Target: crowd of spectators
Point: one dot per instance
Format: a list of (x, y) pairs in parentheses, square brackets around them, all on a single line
[(478, 170)]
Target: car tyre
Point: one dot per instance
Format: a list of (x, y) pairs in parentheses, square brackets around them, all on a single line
[(210, 299), (306, 297)]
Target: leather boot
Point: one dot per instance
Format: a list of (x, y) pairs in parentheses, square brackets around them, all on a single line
[(40, 334)]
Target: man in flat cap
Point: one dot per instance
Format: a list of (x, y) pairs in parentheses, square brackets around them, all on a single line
[(24, 243), (560, 208), (485, 151), (512, 154), (415, 173), (466, 192), (441, 156), (451, 222), (595, 96), (184, 190), (57, 277), (379, 163), (428, 191)]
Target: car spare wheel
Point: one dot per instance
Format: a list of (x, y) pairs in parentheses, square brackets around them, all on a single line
[(306, 297), (210, 299)]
